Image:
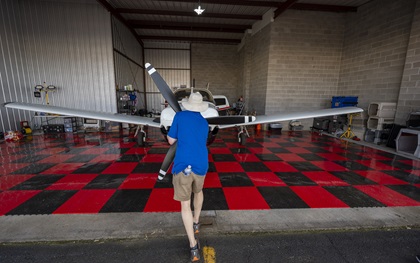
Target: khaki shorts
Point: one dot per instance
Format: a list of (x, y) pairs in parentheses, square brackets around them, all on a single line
[(185, 185)]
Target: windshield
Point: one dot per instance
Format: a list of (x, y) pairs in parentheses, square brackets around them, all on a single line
[(185, 93)]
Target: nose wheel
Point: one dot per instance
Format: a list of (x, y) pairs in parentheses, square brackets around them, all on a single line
[(243, 133), (140, 135)]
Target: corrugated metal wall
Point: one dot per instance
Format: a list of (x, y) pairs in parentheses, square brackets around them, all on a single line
[(173, 61), (67, 44), (128, 57)]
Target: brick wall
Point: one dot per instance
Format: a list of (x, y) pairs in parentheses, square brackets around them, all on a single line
[(409, 95), (217, 65), (374, 51)]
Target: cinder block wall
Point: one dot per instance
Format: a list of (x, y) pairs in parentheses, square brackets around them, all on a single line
[(217, 65), (304, 61), (409, 96), (374, 51)]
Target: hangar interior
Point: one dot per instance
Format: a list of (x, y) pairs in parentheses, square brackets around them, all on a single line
[(280, 56)]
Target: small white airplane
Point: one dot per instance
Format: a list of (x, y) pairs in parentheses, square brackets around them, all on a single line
[(174, 99)]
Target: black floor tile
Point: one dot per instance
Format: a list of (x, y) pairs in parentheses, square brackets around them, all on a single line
[(353, 156), (38, 182), (405, 176), (92, 168), (117, 151), (255, 167), (75, 150), (45, 202), (31, 158), (267, 157), (212, 167), (235, 179), (81, 158), (407, 190), (131, 200), (278, 150), (398, 164), (130, 158), (353, 178), (158, 151), (295, 179), (305, 166), (240, 150), (166, 182), (316, 150), (286, 144), (223, 158), (34, 168), (353, 166), (281, 197), (353, 197), (253, 145), (214, 199), (151, 167), (311, 157), (106, 181)]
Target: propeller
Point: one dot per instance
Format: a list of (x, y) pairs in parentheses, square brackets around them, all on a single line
[(173, 102)]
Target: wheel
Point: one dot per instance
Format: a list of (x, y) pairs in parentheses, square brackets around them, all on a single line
[(242, 138), (141, 138)]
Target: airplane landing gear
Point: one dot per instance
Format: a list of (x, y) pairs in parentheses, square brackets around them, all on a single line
[(140, 135), (243, 133)]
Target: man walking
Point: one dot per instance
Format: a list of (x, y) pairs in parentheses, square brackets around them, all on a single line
[(190, 130)]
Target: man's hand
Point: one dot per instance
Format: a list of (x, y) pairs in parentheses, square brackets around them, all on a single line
[(170, 140)]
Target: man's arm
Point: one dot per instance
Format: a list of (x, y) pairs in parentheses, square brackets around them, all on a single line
[(170, 140)]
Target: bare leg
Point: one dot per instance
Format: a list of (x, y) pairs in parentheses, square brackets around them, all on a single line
[(187, 219), (198, 204)]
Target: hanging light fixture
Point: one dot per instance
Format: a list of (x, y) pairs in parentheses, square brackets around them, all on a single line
[(198, 10)]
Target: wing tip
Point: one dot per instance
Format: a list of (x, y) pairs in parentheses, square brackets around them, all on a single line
[(147, 65)]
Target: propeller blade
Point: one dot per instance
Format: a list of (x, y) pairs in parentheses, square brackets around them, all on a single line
[(170, 155), (163, 87), (226, 120)]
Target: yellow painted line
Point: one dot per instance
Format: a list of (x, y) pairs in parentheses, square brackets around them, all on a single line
[(209, 255)]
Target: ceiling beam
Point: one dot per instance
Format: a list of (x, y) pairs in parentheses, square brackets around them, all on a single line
[(203, 26), (190, 28), (181, 13), (192, 39), (298, 6), (283, 7)]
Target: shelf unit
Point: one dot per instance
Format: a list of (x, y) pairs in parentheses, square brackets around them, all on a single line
[(126, 101)]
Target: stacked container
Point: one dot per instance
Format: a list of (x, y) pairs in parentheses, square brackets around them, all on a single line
[(380, 114)]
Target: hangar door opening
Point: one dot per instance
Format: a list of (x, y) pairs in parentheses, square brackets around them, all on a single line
[(173, 62)]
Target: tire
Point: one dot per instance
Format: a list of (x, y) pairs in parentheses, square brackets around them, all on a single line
[(242, 138), (141, 138)]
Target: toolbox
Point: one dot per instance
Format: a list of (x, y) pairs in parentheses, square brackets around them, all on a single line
[(343, 101)]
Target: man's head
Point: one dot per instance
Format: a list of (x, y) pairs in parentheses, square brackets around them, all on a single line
[(195, 103)]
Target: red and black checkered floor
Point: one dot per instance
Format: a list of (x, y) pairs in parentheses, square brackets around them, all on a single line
[(108, 172)]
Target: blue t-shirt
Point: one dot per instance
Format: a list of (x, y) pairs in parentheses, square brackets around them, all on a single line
[(191, 130)]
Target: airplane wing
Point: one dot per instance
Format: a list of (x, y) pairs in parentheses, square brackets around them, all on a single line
[(115, 117), (296, 116)]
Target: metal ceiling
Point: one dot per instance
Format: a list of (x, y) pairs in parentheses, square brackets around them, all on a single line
[(223, 21)]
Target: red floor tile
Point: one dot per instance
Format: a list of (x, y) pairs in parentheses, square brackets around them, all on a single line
[(58, 158), (11, 199), (290, 157), (265, 179), (244, 198), (329, 166), (212, 180), (85, 201), (280, 167), (318, 197), (380, 177), (95, 151), (8, 181), (219, 150), (162, 200), (7, 168), (259, 150), (63, 168), (323, 178), (332, 156), (139, 181), (137, 150), (228, 167), (72, 182), (154, 158), (387, 196), (120, 168)]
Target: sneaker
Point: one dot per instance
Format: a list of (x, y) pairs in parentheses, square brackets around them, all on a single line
[(195, 252), (196, 227)]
